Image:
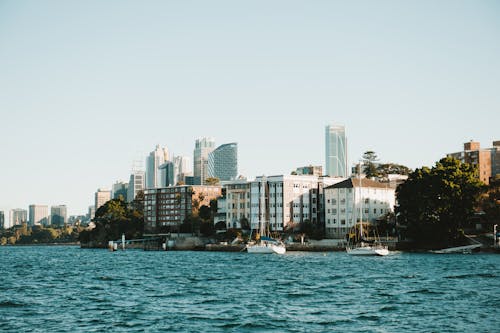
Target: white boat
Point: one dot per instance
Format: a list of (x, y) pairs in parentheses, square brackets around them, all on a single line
[(459, 249), (267, 245), (359, 245)]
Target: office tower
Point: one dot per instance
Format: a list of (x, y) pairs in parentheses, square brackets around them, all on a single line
[(58, 215), (18, 216), (118, 189), (335, 151), (91, 213), (203, 147), (38, 215), (101, 197), (135, 184), (2, 220), (223, 162), (156, 158)]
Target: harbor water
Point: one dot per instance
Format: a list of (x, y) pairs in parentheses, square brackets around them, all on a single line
[(68, 289)]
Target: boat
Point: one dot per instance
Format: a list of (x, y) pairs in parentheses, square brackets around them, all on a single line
[(359, 244), (266, 245), (467, 249)]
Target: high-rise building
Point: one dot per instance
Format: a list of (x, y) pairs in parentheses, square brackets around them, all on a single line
[(203, 147), (38, 215), (58, 215), (2, 220), (101, 197), (135, 184), (223, 162), (153, 173), (118, 189), (335, 151), (91, 213), (18, 216), (486, 160)]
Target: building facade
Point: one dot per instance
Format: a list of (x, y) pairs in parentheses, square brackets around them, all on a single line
[(101, 197), (223, 162), (18, 216), (153, 173), (313, 170), (58, 215), (203, 147), (167, 208), (2, 220), (355, 200), (118, 189), (135, 185), (335, 151), (236, 202), (38, 215), (486, 160)]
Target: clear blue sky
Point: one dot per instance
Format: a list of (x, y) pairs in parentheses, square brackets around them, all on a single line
[(86, 87)]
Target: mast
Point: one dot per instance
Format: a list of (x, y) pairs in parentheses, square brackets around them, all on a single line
[(360, 203)]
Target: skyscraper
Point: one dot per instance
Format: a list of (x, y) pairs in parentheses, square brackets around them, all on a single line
[(135, 184), (39, 215), (153, 173), (335, 151), (18, 216), (101, 197), (2, 220), (58, 215), (223, 162), (203, 147), (118, 189)]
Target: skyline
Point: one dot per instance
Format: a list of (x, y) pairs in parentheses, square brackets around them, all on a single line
[(86, 89)]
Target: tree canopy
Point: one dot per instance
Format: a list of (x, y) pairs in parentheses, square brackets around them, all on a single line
[(436, 203)]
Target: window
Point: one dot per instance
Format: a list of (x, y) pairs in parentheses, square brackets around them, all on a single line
[(342, 222), (334, 211)]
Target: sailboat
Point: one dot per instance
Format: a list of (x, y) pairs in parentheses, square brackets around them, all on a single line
[(266, 244), (360, 246)]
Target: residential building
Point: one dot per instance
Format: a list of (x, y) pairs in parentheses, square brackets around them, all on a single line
[(101, 197), (236, 202), (119, 188), (486, 160), (223, 162), (58, 215), (2, 220), (221, 215), (313, 170), (352, 200), (38, 215), (18, 216), (135, 184), (153, 173), (203, 147), (335, 151), (167, 208), (286, 200)]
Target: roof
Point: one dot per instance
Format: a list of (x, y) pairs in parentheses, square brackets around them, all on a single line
[(351, 182)]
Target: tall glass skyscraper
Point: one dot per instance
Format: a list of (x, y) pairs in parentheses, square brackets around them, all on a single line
[(223, 162), (203, 147), (156, 158), (336, 151)]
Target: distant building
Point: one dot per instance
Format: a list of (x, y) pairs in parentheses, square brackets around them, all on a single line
[(118, 189), (135, 184), (203, 147), (38, 215), (352, 200), (335, 151), (313, 170), (236, 202), (223, 162), (167, 208), (101, 197), (486, 160), (91, 213), (153, 173), (2, 220), (18, 216), (58, 215)]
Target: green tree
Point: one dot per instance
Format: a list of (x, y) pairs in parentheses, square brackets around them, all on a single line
[(212, 181), (434, 204), (369, 167), (385, 169), (490, 201)]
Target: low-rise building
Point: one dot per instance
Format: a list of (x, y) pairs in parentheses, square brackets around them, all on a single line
[(355, 200), (168, 207)]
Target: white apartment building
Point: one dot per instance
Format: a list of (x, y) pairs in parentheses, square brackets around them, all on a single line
[(352, 200), (101, 197), (285, 200), (38, 215), (236, 202)]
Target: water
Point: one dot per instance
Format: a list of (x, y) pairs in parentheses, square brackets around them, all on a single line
[(67, 289)]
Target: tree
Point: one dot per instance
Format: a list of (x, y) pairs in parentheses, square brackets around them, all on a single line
[(212, 181), (369, 167), (434, 204), (490, 201), (391, 168)]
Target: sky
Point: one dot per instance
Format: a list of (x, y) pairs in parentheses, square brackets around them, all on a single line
[(88, 87)]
